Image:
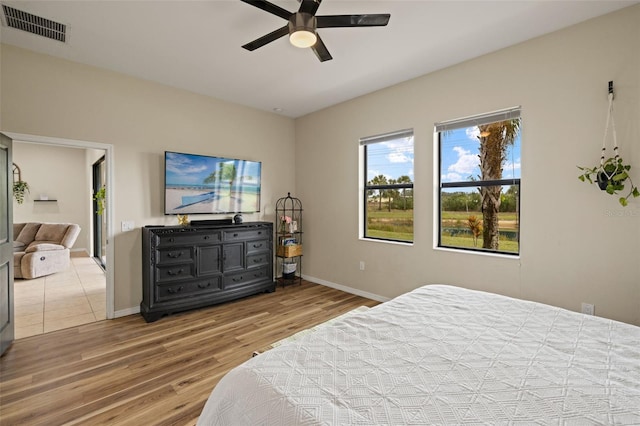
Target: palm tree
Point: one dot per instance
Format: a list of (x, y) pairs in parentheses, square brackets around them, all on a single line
[(379, 180), (494, 139), (226, 171), (404, 179), (391, 193)]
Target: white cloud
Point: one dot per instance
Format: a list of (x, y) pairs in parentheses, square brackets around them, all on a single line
[(373, 173), (450, 177), (473, 133), (509, 168), (467, 162), (509, 165), (399, 157), (402, 150), (182, 166)]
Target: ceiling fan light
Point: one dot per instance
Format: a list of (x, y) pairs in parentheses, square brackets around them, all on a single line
[(303, 38)]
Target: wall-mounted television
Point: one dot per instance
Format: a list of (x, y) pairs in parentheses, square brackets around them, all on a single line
[(202, 184)]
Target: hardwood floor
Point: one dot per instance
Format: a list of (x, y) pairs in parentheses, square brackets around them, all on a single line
[(128, 372)]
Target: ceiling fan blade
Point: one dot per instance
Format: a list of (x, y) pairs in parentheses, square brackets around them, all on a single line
[(334, 21), (309, 6), (272, 36), (269, 7), (321, 50)]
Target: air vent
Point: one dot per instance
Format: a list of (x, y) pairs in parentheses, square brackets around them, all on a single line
[(34, 24)]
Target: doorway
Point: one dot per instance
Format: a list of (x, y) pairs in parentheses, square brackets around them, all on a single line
[(107, 177), (99, 174)]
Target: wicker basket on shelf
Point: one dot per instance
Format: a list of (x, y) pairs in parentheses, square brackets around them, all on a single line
[(290, 251)]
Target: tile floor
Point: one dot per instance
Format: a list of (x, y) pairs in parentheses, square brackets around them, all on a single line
[(66, 299)]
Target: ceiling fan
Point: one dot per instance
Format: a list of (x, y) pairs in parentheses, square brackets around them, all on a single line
[(303, 24)]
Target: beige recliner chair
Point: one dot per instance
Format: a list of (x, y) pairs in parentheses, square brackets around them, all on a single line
[(41, 249)]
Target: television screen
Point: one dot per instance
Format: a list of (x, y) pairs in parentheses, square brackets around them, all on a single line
[(199, 184)]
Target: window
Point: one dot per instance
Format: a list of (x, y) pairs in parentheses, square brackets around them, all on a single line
[(479, 182), (387, 195)]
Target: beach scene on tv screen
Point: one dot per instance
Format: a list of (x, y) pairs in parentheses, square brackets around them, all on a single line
[(202, 184)]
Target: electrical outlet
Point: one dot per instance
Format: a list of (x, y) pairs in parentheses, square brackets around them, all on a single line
[(362, 265), (127, 225), (588, 309)]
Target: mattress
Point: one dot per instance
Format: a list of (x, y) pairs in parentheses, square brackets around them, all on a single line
[(442, 355)]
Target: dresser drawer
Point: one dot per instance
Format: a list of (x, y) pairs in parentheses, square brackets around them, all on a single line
[(166, 256), (258, 246), (175, 272), (199, 288), (245, 234), (240, 279), (258, 259), (188, 238)]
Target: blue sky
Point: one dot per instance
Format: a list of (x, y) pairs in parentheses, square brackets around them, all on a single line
[(391, 159), (194, 169), (460, 156)]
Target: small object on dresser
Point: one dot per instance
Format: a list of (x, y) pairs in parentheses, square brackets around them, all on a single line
[(183, 220), (237, 219)]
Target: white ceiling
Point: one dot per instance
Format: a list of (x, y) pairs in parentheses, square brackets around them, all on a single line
[(196, 45)]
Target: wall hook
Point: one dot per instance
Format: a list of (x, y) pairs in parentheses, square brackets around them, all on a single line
[(611, 88)]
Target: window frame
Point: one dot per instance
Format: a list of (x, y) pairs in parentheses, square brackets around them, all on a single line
[(466, 122), (366, 187)]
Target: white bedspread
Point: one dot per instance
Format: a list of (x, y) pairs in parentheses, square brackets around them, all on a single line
[(442, 355)]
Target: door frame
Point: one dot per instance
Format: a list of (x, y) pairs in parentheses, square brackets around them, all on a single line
[(97, 232), (109, 199)]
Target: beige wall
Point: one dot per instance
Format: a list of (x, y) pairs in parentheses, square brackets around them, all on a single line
[(58, 173), (42, 95), (578, 245)]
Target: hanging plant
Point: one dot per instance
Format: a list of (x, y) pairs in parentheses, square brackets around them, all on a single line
[(611, 176), (99, 198), (19, 189)]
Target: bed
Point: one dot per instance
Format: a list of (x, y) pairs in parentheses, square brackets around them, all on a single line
[(442, 355)]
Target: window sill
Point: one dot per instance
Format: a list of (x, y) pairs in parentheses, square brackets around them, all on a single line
[(479, 253), (375, 240)]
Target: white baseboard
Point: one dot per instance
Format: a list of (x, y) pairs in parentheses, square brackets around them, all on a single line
[(346, 289), (128, 311), (136, 309)]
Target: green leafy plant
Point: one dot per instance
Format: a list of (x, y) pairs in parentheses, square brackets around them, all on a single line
[(611, 176), (20, 187), (99, 197)]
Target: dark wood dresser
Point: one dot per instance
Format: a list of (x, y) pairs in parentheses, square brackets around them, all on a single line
[(188, 267)]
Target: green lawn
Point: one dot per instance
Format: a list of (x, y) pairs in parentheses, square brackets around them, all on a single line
[(467, 242), (464, 215), (398, 225)]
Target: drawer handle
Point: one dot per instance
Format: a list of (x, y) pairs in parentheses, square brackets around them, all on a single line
[(204, 285), (237, 280), (178, 272), (174, 255), (257, 274), (259, 232), (172, 291), (235, 235), (258, 260), (206, 237), (257, 245), (171, 240)]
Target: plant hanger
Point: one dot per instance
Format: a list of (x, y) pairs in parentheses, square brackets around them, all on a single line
[(611, 174), (613, 133)]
